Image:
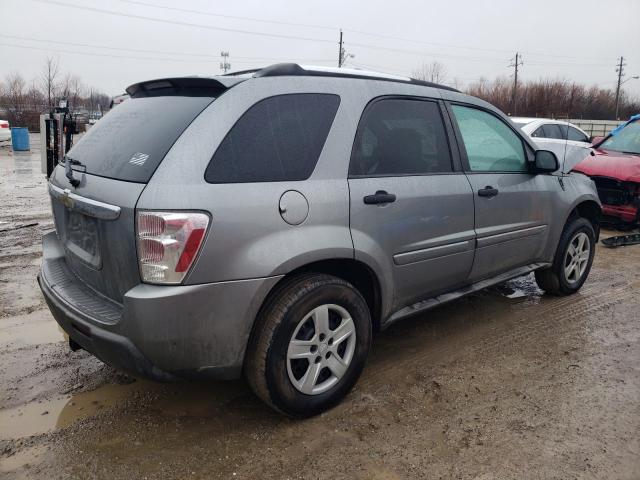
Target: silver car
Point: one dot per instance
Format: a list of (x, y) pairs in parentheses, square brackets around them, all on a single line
[(266, 224)]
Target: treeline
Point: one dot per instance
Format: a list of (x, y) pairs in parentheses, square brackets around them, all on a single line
[(555, 99), (22, 101)]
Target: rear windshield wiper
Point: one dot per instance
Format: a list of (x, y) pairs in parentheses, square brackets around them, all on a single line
[(68, 162)]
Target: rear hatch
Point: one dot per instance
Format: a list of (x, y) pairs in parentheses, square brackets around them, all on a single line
[(113, 162)]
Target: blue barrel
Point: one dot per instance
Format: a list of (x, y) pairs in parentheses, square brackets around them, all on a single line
[(20, 139)]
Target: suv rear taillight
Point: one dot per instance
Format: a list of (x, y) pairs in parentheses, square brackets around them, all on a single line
[(168, 243), (4, 125)]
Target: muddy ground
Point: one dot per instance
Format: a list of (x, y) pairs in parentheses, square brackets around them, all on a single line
[(507, 383)]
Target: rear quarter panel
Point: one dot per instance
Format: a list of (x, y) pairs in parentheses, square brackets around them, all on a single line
[(247, 237)]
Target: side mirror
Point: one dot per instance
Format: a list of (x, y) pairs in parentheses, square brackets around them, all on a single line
[(545, 162)]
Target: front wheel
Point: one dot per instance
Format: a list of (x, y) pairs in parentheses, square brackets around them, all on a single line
[(573, 259), (309, 345)]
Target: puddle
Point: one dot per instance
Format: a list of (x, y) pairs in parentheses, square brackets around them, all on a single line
[(35, 328), (196, 399), (523, 287), (40, 417)]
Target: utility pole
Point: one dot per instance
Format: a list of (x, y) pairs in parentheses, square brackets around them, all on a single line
[(620, 71), (342, 52), (517, 63), (224, 64)]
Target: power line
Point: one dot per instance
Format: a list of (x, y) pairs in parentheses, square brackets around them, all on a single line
[(465, 58), (327, 27), (232, 17), (425, 54), (101, 54), (290, 37), (210, 56), (159, 52), (448, 45), (249, 60), (183, 24)]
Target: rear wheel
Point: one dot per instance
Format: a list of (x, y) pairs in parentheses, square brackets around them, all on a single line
[(573, 259), (309, 345)]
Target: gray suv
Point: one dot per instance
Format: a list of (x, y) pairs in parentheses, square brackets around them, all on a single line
[(267, 223)]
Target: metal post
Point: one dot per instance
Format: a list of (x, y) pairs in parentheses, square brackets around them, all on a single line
[(516, 64), (620, 70)]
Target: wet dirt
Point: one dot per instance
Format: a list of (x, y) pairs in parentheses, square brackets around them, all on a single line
[(506, 383)]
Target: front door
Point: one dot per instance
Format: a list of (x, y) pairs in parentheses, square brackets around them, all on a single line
[(513, 207), (411, 210)]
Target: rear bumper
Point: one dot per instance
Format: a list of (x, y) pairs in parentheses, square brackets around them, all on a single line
[(159, 332), (111, 348)]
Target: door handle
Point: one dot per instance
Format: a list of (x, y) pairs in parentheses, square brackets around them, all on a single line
[(488, 191), (380, 197)]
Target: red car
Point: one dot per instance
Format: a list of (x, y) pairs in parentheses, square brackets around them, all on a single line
[(614, 166)]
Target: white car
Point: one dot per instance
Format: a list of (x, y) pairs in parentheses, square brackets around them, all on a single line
[(5, 131), (552, 135), (554, 131)]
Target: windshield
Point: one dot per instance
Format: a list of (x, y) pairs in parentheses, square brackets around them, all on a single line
[(130, 141), (626, 140)]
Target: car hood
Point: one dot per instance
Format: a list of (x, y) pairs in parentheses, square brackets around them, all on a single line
[(605, 163)]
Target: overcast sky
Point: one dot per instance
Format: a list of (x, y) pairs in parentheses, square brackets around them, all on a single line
[(579, 40)]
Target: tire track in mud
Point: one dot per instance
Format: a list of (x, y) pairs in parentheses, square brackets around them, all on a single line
[(467, 341)]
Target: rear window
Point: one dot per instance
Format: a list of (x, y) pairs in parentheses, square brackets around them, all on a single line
[(278, 139), (132, 139)]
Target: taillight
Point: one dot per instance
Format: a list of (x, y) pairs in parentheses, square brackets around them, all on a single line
[(4, 125), (168, 243)]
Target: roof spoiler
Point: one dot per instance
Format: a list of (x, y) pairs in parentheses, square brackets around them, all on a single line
[(183, 86)]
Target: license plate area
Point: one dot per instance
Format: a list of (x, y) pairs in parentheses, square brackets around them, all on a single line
[(82, 238)]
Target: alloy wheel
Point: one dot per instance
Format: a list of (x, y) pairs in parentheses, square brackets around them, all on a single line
[(577, 257), (321, 349)]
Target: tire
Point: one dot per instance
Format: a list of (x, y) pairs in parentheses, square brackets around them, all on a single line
[(555, 280), (269, 368)]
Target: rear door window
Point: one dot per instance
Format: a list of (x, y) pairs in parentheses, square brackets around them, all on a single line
[(132, 139), (551, 130), (401, 137), (278, 139)]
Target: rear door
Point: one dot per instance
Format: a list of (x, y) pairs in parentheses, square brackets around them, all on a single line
[(513, 207), (411, 207), (95, 219)]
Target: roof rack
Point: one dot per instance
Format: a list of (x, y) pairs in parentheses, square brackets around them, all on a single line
[(295, 69)]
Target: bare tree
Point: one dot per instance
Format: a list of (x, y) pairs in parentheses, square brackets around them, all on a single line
[(14, 97), (49, 78), (556, 98), (457, 83), (434, 72), (72, 89)]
